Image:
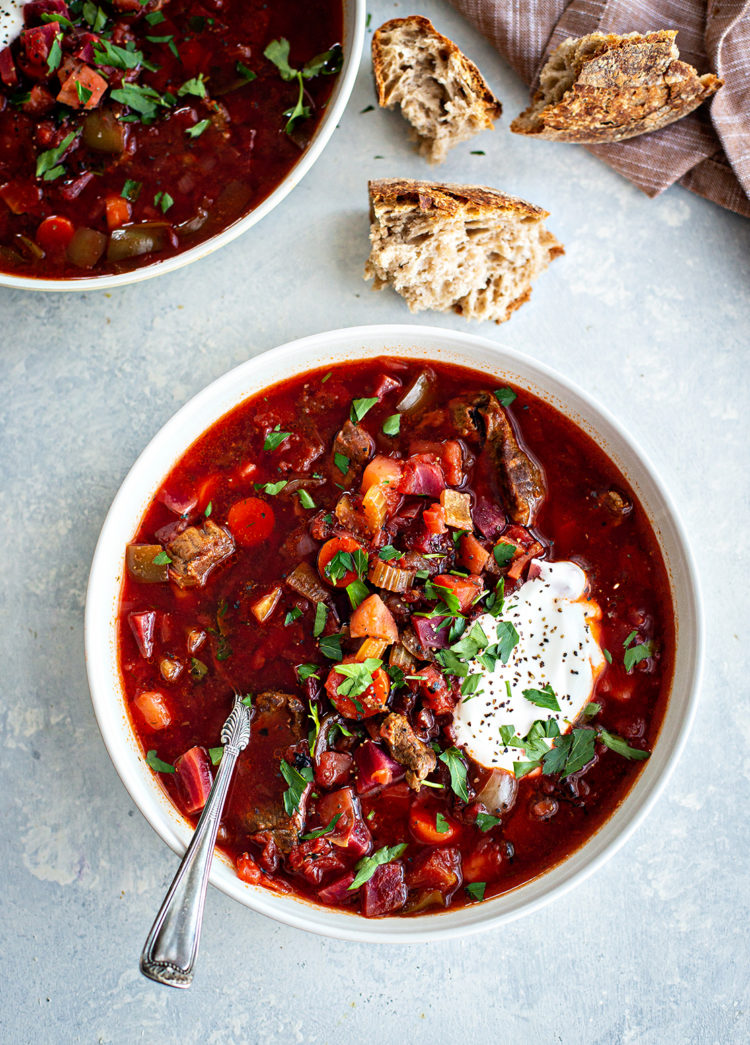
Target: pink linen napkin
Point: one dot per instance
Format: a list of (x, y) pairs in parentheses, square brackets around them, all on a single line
[(708, 151)]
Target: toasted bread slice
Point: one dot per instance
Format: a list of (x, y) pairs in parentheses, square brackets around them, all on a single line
[(441, 93), (606, 88), (465, 248)]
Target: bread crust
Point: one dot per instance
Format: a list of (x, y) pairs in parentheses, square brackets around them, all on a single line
[(445, 197), (623, 86)]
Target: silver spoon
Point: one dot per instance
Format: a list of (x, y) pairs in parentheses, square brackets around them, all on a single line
[(171, 947)]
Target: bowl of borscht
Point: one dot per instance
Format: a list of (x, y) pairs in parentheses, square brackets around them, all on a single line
[(458, 601), (136, 137)]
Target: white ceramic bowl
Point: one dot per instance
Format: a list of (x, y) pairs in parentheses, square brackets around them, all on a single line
[(354, 33), (295, 358)]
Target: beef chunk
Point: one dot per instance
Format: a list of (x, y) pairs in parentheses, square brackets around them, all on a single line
[(480, 418), (355, 443), (257, 802), (194, 553), (408, 749)]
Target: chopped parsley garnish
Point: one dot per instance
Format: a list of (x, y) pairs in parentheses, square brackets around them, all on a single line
[(314, 715), (247, 700), (142, 99), (342, 462), (155, 18), (485, 821), (503, 553), (476, 890), (298, 111), (338, 566), (357, 592), (208, 509), (107, 53), (307, 671), (215, 753), (621, 747), (156, 763), (543, 698), (94, 15), (305, 499), (505, 396), (294, 614), (470, 687), (457, 769), (198, 669), (441, 824), (320, 831), (392, 425), (198, 128), (630, 638), (591, 709), (163, 201), (297, 779), (55, 57), (131, 190), (247, 74), (278, 53), (195, 86), (388, 552), (357, 677), (636, 654), (271, 488), (330, 646), (360, 407), (326, 64), (507, 640), (367, 866), (161, 559), (275, 438), (607, 656), (321, 616), (48, 164)]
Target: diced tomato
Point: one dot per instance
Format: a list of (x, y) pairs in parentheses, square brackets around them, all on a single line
[(251, 521), (314, 859), (142, 624), (153, 707), (91, 85), (55, 233), (434, 519), (248, 870), (466, 589), (436, 869), (22, 197), (118, 211), (385, 892), (434, 689), (193, 771), (372, 619), (473, 555), (484, 863), (426, 828), (448, 453), (350, 831), (333, 768), (371, 702), (327, 552), (381, 471)]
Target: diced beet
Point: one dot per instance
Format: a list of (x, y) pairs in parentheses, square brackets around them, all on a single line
[(338, 892), (386, 383), (488, 518), (166, 534), (350, 832), (535, 570), (39, 102), (71, 190), (34, 9), (429, 632), (193, 771), (436, 869), (38, 41), (142, 624), (422, 476), (314, 859), (375, 768), (448, 453), (8, 71), (385, 892), (333, 768), (87, 42), (178, 502)]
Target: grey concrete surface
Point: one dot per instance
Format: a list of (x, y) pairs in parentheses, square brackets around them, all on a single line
[(650, 311)]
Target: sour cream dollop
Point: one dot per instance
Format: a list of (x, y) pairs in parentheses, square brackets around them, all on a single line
[(557, 646)]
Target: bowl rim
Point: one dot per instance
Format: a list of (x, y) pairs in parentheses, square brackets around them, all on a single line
[(176, 833), (355, 16)]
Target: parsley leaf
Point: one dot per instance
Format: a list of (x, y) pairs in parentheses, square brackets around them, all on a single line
[(305, 499), (505, 396), (341, 462), (321, 616), (198, 128), (278, 53), (392, 425), (161, 558), (294, 614), (441, 824), (48, 163), (156, 763), (215, 753), (320, 831), (503, 553), (485, 821), (617, 744), (330, 646), (636, 654), (247, 74), (275, 438), (507, 640), (543, 698), (328, 63), (360, 407), (271, 488), (299, 111), (357, 592), (163, 201), (55, 57), (131, 190), (388, 552), (457, 769), (297, 779), (476, 890), (307, 671), (357, 676), (195, 86), (366, 867)]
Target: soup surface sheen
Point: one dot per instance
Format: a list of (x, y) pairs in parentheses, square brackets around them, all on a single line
[(380, 556)]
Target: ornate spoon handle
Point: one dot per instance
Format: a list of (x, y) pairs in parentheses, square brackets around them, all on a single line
[(171, 947)]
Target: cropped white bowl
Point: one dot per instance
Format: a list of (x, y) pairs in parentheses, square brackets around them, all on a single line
[(287, 361), (354, 32)]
